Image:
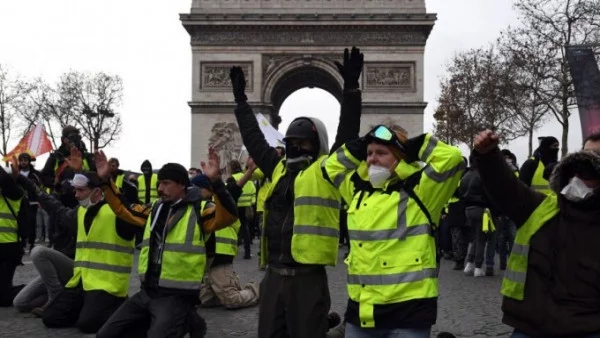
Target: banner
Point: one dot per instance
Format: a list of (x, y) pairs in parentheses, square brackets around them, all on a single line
[(586, 79), (274, 137), (36, 143)]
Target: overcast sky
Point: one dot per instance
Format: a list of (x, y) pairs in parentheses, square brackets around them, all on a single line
[(145, 43)]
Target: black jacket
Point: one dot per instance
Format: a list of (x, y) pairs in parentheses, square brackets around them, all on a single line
[(10, 190), (280, 205), (48, 173)]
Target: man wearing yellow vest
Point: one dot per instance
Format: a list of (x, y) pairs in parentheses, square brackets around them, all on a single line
[(12, 234), (147, 184), (396, 189), (221, 284), (173, 256), (124, 185), (550, 286), (536, 170), (244, 203), (103, 257), (301, 228)]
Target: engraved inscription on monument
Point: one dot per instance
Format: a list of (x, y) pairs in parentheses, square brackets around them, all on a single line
[(389, 76), (215, 75)]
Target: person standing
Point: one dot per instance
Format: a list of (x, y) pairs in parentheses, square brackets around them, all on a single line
[(26, 169), (536, 170), (244, 203)]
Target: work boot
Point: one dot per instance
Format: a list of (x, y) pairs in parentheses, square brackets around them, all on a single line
[(479, 272), (337, 332), (333, 318), (489, 271), (197, 325), (469, 269), (459, 265)]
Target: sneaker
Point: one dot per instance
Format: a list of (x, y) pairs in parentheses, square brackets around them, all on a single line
[(469, 269), (460, 265), (479, 272), (489, 271)]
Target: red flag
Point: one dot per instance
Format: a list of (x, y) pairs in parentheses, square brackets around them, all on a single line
[(36, 143)]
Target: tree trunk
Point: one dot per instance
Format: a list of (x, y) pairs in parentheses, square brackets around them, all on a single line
[(565, 133), (530, 143)]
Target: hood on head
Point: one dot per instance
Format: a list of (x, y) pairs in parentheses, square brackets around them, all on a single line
[(322, 133), (146, 163), (564, 170), (192, 194)]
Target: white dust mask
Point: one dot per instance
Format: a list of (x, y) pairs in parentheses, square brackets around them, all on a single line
[(576, 190), (378, 175)]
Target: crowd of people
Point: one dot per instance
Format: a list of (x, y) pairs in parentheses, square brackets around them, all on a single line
[(400, 204)]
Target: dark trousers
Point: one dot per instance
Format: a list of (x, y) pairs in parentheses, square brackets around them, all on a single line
[(445, 237), (461, 237), (151, 317), (477, 253), (506, 231), (10, 258), (245, 230), (32, 223), (87, 310), (294, 306)]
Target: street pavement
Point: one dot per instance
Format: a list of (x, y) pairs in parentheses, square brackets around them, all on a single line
[(468, 306)]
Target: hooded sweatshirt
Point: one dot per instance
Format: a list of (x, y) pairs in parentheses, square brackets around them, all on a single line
[(544, 154), (562, 290), (147, 177)]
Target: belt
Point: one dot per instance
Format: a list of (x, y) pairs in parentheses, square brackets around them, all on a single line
[(301, 270)]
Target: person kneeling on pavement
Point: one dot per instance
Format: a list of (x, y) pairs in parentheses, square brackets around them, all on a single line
[(221, 284), (551, 284), (172, 257), (103, 257)]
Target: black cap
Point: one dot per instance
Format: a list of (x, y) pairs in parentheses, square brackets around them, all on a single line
[(301, 128), (174, 172)]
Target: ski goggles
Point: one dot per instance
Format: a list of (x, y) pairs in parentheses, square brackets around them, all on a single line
[(383, 134)]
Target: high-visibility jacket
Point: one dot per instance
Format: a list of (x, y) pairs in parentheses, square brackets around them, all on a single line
[(8, 222), (85, 165), (153, 188), (248, 197), (538, 182), (183, 252), (393, 254), (488, 221), (317, 205), (119, 180), (103, 259), (226, 239), (515, 277), (261, 197)]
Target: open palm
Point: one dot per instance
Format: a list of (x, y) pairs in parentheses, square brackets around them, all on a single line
[(212, 168), (102, 167)]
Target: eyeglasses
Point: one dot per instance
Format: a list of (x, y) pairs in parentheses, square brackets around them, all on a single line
[(384, 134)]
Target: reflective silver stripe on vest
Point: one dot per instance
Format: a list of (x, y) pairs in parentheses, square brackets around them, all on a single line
[(9, 230), (316, 230), (145, 242), (185, 248), (540, 187), (392, 279), (441, 177), (519, 249), (430, 147), (175, 284), (226, 241), (403, 229), (104, 246), (102, 266), (4, 215), (515, 276), (344, 160), (318, 202), (379, 235), (338, 180)]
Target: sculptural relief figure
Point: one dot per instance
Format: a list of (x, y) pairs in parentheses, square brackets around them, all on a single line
[(216, 77), (392, 77), (226, 139)]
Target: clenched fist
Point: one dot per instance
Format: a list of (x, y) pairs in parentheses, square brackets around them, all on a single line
[(486, 141)]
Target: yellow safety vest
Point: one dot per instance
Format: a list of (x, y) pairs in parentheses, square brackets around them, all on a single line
[(226, 239), (8, 222), (317, 205), (153, 188), (515, 277), (248, 197), (119, 181), (262, 191), (103, 259), (538, 182), (488, 221), (184, 254), (85, 166)]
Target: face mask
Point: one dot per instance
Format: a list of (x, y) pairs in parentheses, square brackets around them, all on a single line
[(292, 152), (299, 163), (577, 191), (378, 175), (87, 202)]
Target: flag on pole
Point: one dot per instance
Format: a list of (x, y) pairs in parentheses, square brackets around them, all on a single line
[(36, 143), (272, 135)]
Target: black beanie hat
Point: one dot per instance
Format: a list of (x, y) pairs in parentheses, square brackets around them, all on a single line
[(174, 172)]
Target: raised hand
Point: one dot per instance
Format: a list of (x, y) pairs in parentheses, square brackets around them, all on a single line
[(75, 160), (352, 67), (486, 141), (102, 167), (250, 164), (238, 83), (14, 167), (212, 169)]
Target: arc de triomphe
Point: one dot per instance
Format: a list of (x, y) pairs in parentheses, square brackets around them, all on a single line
[(285, 45)]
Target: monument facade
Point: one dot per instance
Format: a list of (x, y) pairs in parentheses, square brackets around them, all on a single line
[(285, 45)]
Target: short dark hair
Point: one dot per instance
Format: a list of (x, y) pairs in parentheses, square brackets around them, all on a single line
[(115, 161), (594, 137), (68, 130)]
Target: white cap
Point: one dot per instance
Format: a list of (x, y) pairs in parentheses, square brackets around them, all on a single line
[(80, 181)]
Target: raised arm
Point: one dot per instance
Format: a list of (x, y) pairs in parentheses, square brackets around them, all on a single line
[(223, 212), (264, 155), (349, 125)]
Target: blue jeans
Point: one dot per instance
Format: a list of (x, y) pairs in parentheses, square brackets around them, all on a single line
[(353, 331), (518, 334)]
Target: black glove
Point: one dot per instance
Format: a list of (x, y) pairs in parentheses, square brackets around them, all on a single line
[(238, 82), (353, 65)]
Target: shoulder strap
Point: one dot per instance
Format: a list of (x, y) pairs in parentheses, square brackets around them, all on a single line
[(12, 211), (408, 186)]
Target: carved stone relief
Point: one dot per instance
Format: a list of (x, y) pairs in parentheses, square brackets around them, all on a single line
[(215, 75), (272, 61), (225, 138), (389, 76)]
